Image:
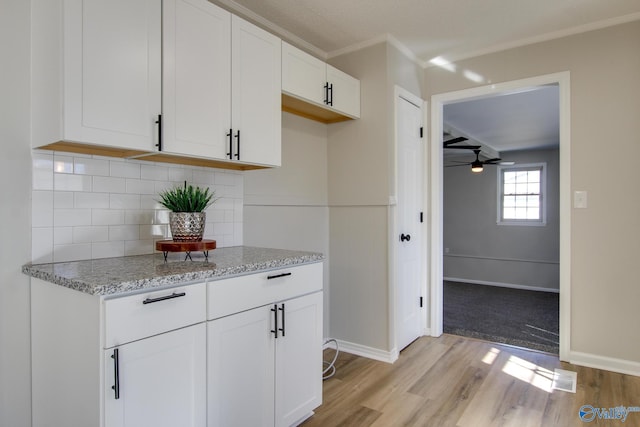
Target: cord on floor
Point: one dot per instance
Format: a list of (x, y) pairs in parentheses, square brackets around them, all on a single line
[(330, 369)]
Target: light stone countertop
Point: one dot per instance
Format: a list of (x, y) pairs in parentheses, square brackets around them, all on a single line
[(112, 276)]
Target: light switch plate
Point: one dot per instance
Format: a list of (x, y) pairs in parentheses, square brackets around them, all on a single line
[(580, 199)]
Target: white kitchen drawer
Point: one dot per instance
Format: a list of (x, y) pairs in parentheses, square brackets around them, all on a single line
[(142, 315), (229, 296)]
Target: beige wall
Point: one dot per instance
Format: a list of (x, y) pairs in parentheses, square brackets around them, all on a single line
[(15, 215), (286, 207), (605, 112), (361, 160)]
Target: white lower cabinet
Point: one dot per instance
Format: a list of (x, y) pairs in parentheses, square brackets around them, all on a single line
[(299, 360), (158, 381), (265, 355), (244, 351), (260, 377), (241, 381)]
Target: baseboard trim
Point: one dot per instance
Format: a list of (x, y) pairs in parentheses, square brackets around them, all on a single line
[(368, 352), (502, 285), (621, 366)]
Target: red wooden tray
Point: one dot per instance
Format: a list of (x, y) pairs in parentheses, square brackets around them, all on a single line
[(167, 246)]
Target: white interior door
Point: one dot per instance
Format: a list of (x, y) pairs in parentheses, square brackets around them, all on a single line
[(409, 198)]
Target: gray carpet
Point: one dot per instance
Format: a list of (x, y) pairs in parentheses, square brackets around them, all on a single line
[(503, 315)]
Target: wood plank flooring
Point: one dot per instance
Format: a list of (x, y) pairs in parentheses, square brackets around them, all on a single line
[(456, 381)]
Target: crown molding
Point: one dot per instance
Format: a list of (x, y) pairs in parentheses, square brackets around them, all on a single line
[(271, 27), (383, 38), (540, 38)]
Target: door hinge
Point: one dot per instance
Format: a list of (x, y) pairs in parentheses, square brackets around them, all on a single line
[(421, 131), (421, 302), (421, 217)]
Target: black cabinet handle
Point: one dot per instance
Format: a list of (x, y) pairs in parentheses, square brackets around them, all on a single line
[(405, 237), (274, 310), (230, 153), (237, 155), (275, 276), (159, 123), (116, 373), (283, 327), (330, 94), (164, 298), (326, 93)]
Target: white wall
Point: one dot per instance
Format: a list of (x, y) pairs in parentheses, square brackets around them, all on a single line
[(87, 207), (286, 207), (605, 238), (477, 249), (15, 214)]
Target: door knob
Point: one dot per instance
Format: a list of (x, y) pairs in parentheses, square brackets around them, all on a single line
[(405, 237)]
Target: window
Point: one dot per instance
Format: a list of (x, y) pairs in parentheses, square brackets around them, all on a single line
[(521, 194)]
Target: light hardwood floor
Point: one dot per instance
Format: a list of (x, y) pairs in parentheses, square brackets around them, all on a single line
[(456, 381)]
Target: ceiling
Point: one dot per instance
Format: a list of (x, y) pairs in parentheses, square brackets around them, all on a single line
[(434, 32), (524, 120), (448, 29)]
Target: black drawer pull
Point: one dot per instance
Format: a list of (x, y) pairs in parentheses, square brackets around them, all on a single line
[(275, 329), (275, 276), (116, 373), (164, 298)]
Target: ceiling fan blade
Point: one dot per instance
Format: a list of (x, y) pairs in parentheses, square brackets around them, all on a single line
[(492, 161), (455, 140), (462, 147), (453, 166), (458, 161)]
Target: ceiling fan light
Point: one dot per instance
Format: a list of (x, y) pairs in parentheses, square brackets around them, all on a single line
[(476, 167)]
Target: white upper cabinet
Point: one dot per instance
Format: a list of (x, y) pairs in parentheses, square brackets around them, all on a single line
[(312, 80), (221, 85), (344, 92), (159, 80), (256, 117), (303, 75), (196, 75), (109, 57)]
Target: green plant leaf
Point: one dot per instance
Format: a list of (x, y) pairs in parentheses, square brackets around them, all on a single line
[(187, 198)]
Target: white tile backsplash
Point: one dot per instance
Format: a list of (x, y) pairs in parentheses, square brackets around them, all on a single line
[(90, 234), (87, 207), (102, 184), (91, 200), (88, 166), (124, 169), (124, 201), (42, 208), (68, 182), (140, 186)]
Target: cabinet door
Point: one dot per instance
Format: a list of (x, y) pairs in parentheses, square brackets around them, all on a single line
[(299, 360), (162, 381), (256, 99), (196, 75), (303, 75), (345, 92), (241, 369), (112, 75)]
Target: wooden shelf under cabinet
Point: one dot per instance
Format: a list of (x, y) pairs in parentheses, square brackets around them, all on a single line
[(293, 105)]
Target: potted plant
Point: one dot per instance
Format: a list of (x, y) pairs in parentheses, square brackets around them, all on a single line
[(187, 216)]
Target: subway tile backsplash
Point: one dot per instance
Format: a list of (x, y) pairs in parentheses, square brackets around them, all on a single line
[(87, 207)]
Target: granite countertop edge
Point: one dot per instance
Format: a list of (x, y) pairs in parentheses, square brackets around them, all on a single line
[(120, 284)]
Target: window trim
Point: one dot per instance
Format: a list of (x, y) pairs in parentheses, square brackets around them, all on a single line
[(543, 195)]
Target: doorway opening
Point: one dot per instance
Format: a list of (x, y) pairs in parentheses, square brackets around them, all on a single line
[(474, 262)]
